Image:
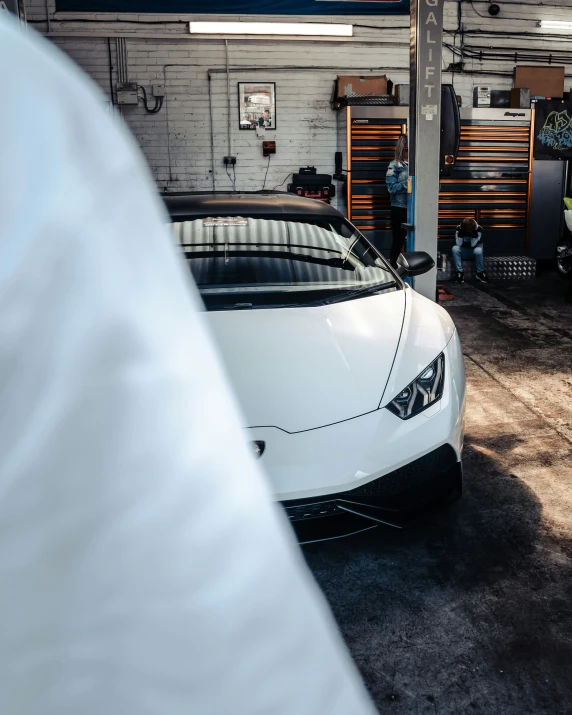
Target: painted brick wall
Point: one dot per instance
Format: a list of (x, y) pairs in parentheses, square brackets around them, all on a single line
[(177, 141)]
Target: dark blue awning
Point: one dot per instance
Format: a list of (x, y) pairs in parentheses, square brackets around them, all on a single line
[(240, 7)]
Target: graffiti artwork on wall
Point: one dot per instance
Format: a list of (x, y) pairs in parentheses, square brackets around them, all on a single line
[(553, 130)]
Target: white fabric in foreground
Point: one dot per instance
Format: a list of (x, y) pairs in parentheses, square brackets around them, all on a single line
[(143, 568)]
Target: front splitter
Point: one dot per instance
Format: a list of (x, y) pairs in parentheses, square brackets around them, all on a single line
[(335, 519), (388, 501)]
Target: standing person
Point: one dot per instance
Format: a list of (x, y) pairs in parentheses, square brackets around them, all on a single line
[(396, 180), (469, 243), (143, 566)]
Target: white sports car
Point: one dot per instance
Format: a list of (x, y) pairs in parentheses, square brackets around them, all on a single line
[(352, 384)]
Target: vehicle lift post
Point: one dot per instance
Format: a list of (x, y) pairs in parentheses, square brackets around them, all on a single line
[(426, 50)]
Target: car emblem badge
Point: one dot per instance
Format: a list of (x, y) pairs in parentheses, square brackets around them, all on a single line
[(258, 448)]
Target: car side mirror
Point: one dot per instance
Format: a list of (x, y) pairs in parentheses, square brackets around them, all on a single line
[(414, 263)]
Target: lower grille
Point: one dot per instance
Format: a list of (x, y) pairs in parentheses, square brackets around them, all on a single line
[(312, 511), (425, 480), (412, 476)]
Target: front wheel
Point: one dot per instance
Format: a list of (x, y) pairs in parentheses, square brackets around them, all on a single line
[(564, 258)]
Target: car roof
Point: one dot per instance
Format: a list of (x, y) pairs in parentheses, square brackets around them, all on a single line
[(275, 204)]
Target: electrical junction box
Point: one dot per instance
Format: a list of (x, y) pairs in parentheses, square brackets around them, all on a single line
[(158, 90), (127, 93), (268, 148)]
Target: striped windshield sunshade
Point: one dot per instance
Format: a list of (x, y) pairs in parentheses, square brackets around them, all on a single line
[(289, 237)]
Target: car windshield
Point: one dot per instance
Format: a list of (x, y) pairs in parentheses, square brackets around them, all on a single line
[(242, 262)]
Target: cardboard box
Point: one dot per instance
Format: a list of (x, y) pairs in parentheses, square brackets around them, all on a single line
[(541, 81), (520, 98), (365, 84)]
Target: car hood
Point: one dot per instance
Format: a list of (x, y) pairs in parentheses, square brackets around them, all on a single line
[(302, 368)]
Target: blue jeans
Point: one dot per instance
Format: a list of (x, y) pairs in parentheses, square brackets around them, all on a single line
[(460, 253)]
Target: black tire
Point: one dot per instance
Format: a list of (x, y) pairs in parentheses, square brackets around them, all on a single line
[(564, 258)]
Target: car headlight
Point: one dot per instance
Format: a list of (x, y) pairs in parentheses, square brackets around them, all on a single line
[(423, 392)]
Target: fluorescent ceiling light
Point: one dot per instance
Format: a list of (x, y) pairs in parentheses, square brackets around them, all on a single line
[(270, 28), (556, 25)]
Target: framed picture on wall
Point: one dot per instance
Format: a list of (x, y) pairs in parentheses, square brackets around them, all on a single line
[(257, 105)]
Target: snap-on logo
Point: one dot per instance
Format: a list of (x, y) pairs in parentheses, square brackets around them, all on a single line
[(514, 114), (360, 121)]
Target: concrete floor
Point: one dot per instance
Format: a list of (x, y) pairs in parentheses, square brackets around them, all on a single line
[(470, 609)]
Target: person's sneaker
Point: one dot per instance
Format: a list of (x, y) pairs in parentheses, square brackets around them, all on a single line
[(460, 277), (482, 276)]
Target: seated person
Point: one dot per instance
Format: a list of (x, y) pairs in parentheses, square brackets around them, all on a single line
[(468, 243)]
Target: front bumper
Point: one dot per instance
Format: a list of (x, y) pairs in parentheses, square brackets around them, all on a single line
[(408, 488), (346, 456), (428, 481)]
